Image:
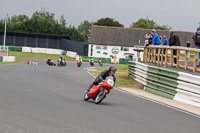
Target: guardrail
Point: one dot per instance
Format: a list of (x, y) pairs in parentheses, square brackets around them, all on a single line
[(162, 56), (167, 83)]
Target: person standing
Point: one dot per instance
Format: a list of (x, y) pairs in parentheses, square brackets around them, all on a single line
[(165, 41), (188, 44), (196, 43), (155, 40), (174, 41)]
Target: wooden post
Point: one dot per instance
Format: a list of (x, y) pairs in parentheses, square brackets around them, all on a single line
[(166, 55), (177, 58), (171, 58), (195, 62), (158, 58), (145, 54), (151, 55), (186, 60), (154, 52), (162, 57)]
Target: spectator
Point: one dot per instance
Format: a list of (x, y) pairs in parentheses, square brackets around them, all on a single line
[(165, 41), (188, 44), (174, 41), (196, 43), (147, 40), (155, 40)]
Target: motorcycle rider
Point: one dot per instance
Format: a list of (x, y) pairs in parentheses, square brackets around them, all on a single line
[(100, 62), (79, 59), (48, 61), (91, 60), (102, 76), (60, 60)]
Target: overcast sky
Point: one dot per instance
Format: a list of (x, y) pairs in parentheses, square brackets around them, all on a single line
[(180, 14)]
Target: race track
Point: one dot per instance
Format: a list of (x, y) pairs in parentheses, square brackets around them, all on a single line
[(43, 99)]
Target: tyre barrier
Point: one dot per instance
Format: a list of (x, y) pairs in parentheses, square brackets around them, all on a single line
[(32, 63), (167, 83)]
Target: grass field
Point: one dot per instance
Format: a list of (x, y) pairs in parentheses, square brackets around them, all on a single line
[(33, 56), (9, 63), (36, 56), (121, 75)]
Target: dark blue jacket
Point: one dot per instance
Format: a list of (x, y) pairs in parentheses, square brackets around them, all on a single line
[(165, 41), (156, 39)]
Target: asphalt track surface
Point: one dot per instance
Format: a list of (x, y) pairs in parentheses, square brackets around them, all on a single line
[(43, 99)]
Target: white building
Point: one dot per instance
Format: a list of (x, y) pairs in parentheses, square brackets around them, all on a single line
[(108, 42)]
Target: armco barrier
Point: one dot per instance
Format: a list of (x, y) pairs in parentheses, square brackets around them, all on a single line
[(167, 83), (138, 71)]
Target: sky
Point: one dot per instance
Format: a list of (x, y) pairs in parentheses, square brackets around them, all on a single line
[(182, 15)]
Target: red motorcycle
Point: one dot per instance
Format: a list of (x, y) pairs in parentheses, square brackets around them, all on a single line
[(79, 63), (99, 92), (50, 63)]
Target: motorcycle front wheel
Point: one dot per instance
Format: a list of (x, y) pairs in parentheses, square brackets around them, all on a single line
[(100, 96), (86, 96)]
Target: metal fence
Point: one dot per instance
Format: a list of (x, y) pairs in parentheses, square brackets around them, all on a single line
[(44, 41)]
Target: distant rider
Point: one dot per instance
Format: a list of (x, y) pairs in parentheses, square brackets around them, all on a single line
[(102, 76), (60, 60), (79, 59), (91, 60)]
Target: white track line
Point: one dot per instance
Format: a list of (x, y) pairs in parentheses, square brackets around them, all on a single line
[(175, 108)]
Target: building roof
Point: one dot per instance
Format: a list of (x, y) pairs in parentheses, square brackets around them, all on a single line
[(118, 36)]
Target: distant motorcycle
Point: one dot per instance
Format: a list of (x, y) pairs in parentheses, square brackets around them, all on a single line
[(79, 63), (61, 63), (91, 63), (101, 63), (99, 92), (51, 63)]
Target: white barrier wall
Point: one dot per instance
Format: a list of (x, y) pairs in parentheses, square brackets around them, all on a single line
[(26, 49), (71, 54), (9, 59), (47, 51)]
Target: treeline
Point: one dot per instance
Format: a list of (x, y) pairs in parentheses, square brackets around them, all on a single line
[(44, 22)]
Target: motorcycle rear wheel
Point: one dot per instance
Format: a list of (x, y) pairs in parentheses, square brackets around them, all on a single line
[(100, 96)]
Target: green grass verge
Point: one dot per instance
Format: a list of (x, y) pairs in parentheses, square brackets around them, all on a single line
[(191, 54), (122, 78), (9, 63), (36, 56)]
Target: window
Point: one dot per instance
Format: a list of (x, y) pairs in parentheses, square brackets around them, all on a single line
[(124, 48), (101, 47)]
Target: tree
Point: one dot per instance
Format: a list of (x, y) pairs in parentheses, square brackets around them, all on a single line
[(17, 19), (85, 28), (108, 22), (149, 24), (63, 21), (43, 14), (42, 22)]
